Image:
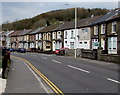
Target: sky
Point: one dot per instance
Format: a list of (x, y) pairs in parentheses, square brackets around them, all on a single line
[(12, 10)]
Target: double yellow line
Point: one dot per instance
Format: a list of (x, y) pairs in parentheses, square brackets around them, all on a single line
[(53, 86)]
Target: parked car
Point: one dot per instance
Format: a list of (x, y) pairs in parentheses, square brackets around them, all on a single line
[(21, 50), (60, 51), (57, 51), (11, 49)]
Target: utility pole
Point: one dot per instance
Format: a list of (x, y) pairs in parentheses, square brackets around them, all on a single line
[(75, 29)]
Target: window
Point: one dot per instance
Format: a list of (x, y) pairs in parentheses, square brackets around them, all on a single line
[(85, 42), (85, 30), (80, 42), (59, 35), (40, 36), (112, 43), (36, 36), (53, 35), (65, 34), (114, 27), (103, 29), (72, 34), (95, 30), (72, 45)]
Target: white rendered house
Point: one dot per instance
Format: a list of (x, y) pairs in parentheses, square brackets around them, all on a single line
[(71, 39)]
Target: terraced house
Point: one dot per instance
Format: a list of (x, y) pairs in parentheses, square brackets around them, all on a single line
[(47, 37), (79, 38), (14, 40), (22, 39), (105, 32)]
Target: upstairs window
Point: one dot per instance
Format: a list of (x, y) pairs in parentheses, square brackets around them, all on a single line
[(65, 34), (103, 29), (40, 36), (54, 35), (59, 35), (72, 34), (114, 27), (36, 36), (96, 30)]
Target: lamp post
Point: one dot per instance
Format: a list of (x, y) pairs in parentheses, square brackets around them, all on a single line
[(75, 28)]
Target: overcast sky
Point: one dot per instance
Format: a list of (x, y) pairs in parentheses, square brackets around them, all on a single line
[(12, 11)]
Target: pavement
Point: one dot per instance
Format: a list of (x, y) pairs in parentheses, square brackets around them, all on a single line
[(2, 82), (22, 79)]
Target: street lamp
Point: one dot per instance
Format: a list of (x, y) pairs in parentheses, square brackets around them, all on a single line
[(75, 27)]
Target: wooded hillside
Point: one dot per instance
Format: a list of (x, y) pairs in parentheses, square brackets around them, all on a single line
[(52, 17)]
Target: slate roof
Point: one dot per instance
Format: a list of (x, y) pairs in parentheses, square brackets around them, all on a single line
[(117, 16), (49, 28), (80, 23), (107, 16), (23, 32), (15, 33), (35, 30)]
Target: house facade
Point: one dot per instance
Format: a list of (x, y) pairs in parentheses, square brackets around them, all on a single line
[(14, 39), (105, 32), (49, 36), (84, 38), (113, 35), (79, 38)]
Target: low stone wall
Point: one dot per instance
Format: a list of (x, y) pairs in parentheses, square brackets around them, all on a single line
[(70, 52), (94, 54), (90, 54), (110, 58)]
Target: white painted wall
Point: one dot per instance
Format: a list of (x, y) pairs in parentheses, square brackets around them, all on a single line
[(69, 39), (84, 38)]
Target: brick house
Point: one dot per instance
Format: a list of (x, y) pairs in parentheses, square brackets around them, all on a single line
[(22, 39), (14, 39), (31, 40)]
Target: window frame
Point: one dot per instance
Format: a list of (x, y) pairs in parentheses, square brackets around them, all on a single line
[(96, 30), (114, 30)]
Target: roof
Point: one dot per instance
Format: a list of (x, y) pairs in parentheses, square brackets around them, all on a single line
[(35, 30), (24, 32), (115, 16), (49, 28), (107, 16), (15, 33), (80, 23)]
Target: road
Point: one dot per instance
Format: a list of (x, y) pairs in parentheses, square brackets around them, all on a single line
[(72, 75)]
